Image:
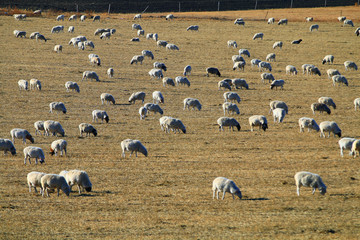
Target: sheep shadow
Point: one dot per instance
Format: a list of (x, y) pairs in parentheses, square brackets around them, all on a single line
[(122, 104), (84, 195), (256, 199)]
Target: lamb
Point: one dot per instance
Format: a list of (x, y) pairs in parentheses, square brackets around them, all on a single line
[(39, 125), (137, 96), (58, 146), (296, 41), (348, 22), (133, 146), (23, 85), (35, 84), (169, 17), (346, 143), (240, 65), (230, 122), (168, 81), (193, 28), (279, 114), (72, 17), (79, 178), (147, 53), (355, 147), (328, 101), (271, 20), (74, 41), (283, 21), (232, 43), (170, 46), (142, 112), (72, 85), (100, 114), (187, 70), (230, 107), (224, 84), (54, 181), (221, 184), (332, 72), (308, 123), (313, 27), (328, 126), (350, 65), (156, 73), (244, 52), (309, 179), (161, 43), (82, 18), (137, 16), (21, 134), (339, 79), (136, 59), (96, 18), (192, 102), (34, 152), (7, 146), (182, 80), (341, 18), (108, 98), (212, 70), (157, 97), (87, 128), (357, 103), (90, 74), (321, 107), (258, 120), (290, 69), (160, 65), (174, 125), (277, 83), (237, 58), (258, 35), (58, 107), (105, 35), (267, 76), (240, 83), (152, 107), (278, 104), (328, 59), (71, 29), (271, 57), (95, 60), (232, 96), (309, 19), (54, 128), (264, 65), (278, 44), (136, 26), (34, 180), (110, 72), (57, 29)]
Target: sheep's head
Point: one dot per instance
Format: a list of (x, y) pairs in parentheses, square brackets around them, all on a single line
[(52, 152), (64, 111), (42, 160), (238, 126), (87, 189), (30, 138), (106, 119), (264, 126), (218, 73), (94, 132), (238, 193), (339, 134), (324, 61), (328, 111), (62, 133), (13, 151), (322, 190)]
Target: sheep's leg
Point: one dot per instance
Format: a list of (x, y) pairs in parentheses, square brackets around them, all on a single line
[(313, 192), (214, 194), (30, 188), (233, 196), (223, 196), (298, 190), (79, 189), (35, 189), (131, 153), (341, 152), (25, 159), (58, 190)]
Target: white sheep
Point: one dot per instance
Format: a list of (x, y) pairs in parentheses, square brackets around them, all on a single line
[(171, 46), (328, 101), (105, 35), (57, 29), (278, 104), (239, 21), (312, 70), (308, 179), (7, 146), (149, 36), (58, 107), (314, 27), (35, 84), (162, 122), (305, 68), (175, 125), (193, 28), (258, 35), (224, 185), (53, 127), (155, 37), (137, 96), (79, 178), (278, 44), (348, 22), (283, 21), (169, 17), (332, 72), (23, 85), (277, 83), (21, 134), (142, 112), (108, 98), (357, 31), (137, 16), (230, 108), (54, 181), (100, 114), (140, 33), (72, 85), (131, 146), (95, 60), (328, 59), (187, 70), (82, 18), (33, 35), (90, 74), (192, 102), (34, 180), (328, 126), (21, 34), (355, 147), (271, 57), (267, 76), (232, 96), (290, 69), (81, 46), (350, 65), (271, 20), (137, 58), (232, 43), (321, 107), (110, 72), (99, 31), (87, 128), (308, 123), (339, 79), (39, 125), (58, 146), (96, 18), (244, 51), (346, 143), (160, 65), (239, 83), (264, 65), (341, 18), (147, 53), (237, 58), (161, 43), (157, 97), (39, 36), (239, 65), (156, 73), (258, 120), (279, 114), (89, 44), (152, 107), (168, 81), (224, 84), (72, 17), (136, 26), (357, 103), (227, 121), (182, 80), (71, 29), (309, 19), (34, 152)]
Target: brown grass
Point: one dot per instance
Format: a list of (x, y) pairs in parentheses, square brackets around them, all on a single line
[(168, 194)]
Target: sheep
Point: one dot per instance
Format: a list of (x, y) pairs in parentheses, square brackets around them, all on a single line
[(355, 147), (212, 70), (149, 36), (79, 178), (33, 35), (350, 65), (182, 80), (193, 28), (221, 184), (82, 18), (136, 26), (339, 79), (290, 69), (96, 18), (19, 16), (258, 120), (175, 125), (21, 34), (91, 55), (308, 179), (58, 146), (71, 29), (81, 38), (147, 53), (35, 84), (279, 114), (296, 41), (230, 122), (244, 52), (169, 17), (328, 59), (161, 43), (332, 72), (21, 134), (357, 31), (100, 114), (277, 83), (57, 29), (137, 16), (54, 128), (278, 104), (305, 68), (155, 37), (230, 107), (39, 125), (155, 108), (110, 72), (232, 96), (74, 41), (308, 123), (140, 33), (87, 128), (328, 101), (7, 146), (264, 65), (40, 37), (157, 97), (105, 35), (321, 107), (96, 60), (108, 98), (72, 85), (283, 21), (187, 70), (239, 65), (100, 31), (90, 74), (131, 146), (237, 58), (348, 22), (228, 80), (271, 21), (34, 180), (313, 27), (156, 73), (34, 152), (232, 43), (23, 85), (142, 112), (224, 84), (136, 59), (312, 70), (328, 126), (357, 103), (258, 35), (309, 19), (192, 102), (135, 39), (160, 65), (346, 143), (58, 107), (137, 96), (239, 22), (255, 62), (54, 181), (168, 81), (170, 46), (271, 57), (267, 76), (72, 17), (89, 44), (278, 44), (239, 83)]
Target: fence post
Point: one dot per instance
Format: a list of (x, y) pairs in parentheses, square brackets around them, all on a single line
[(77, 8), (179, 7), (255, 4), (325, 3), (218, 5), (109, 9), (291, 4)]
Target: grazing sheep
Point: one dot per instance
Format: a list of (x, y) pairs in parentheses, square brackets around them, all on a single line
[(40, 37), (244, 52), (271, 57), (160, 65), (105, 35), (221, 184), (136, 59), (81, 45), (90, 74), (271, 20), (152, 107), (131, 146), (72, 85), (239, 83), (57, 29), (355, 147), (137, 96), (279, 114), (21, 34), (232, 43), (170, 46), (309, 19), (156, 73), (237, 58), (308, 179), (357, 31), (258, 35), (71, 29), (23, 85), (53, 127), (79, 178), (357, 103), (33, 35), (278, 104), (157, 97), (313, 70), (308, 123), (187, 70), (168, 81), (89, 44), (239, 22), (149, 36), (19, 16), (267, 76), (277, 83), (95, 60), (313, 27), (305, 68), (328, 101), (108, 98), (136, 26), (230, 122), (232, 96), (296, 41), (230, 107), (34, 180), (341, 18), (239, 65), (283, 21), (278, 44), (264, 65), (39, 125), (161, 43), (169, 17), (7, 146), (35, 84), (82, 18), (290, 69), (54, 181), (137, 16), (350, 65), (58, 107), (100, 31), (258, 120), (141, 33), (174, 124), (58, 146), (193, 28), (96, 18), (21, 134), (100, 114), (162, 122), (87, 128), (321, 107), (72, 17), (110, 72), (328, 59), (142, 112), (34, 152), (339, 79), (346, 143), (328, 126), (332, 72), (255, 62), (182, 80), (74, 41), (348, 22), (192, 102), (147, 53), (224, 84), (212, 70)]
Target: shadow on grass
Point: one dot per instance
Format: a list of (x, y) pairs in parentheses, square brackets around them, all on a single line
[(255, 199)]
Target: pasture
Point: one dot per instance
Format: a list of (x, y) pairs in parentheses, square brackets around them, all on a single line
[(168, 195)]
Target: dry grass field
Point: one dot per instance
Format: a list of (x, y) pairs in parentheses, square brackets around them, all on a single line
[(168, 194)]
